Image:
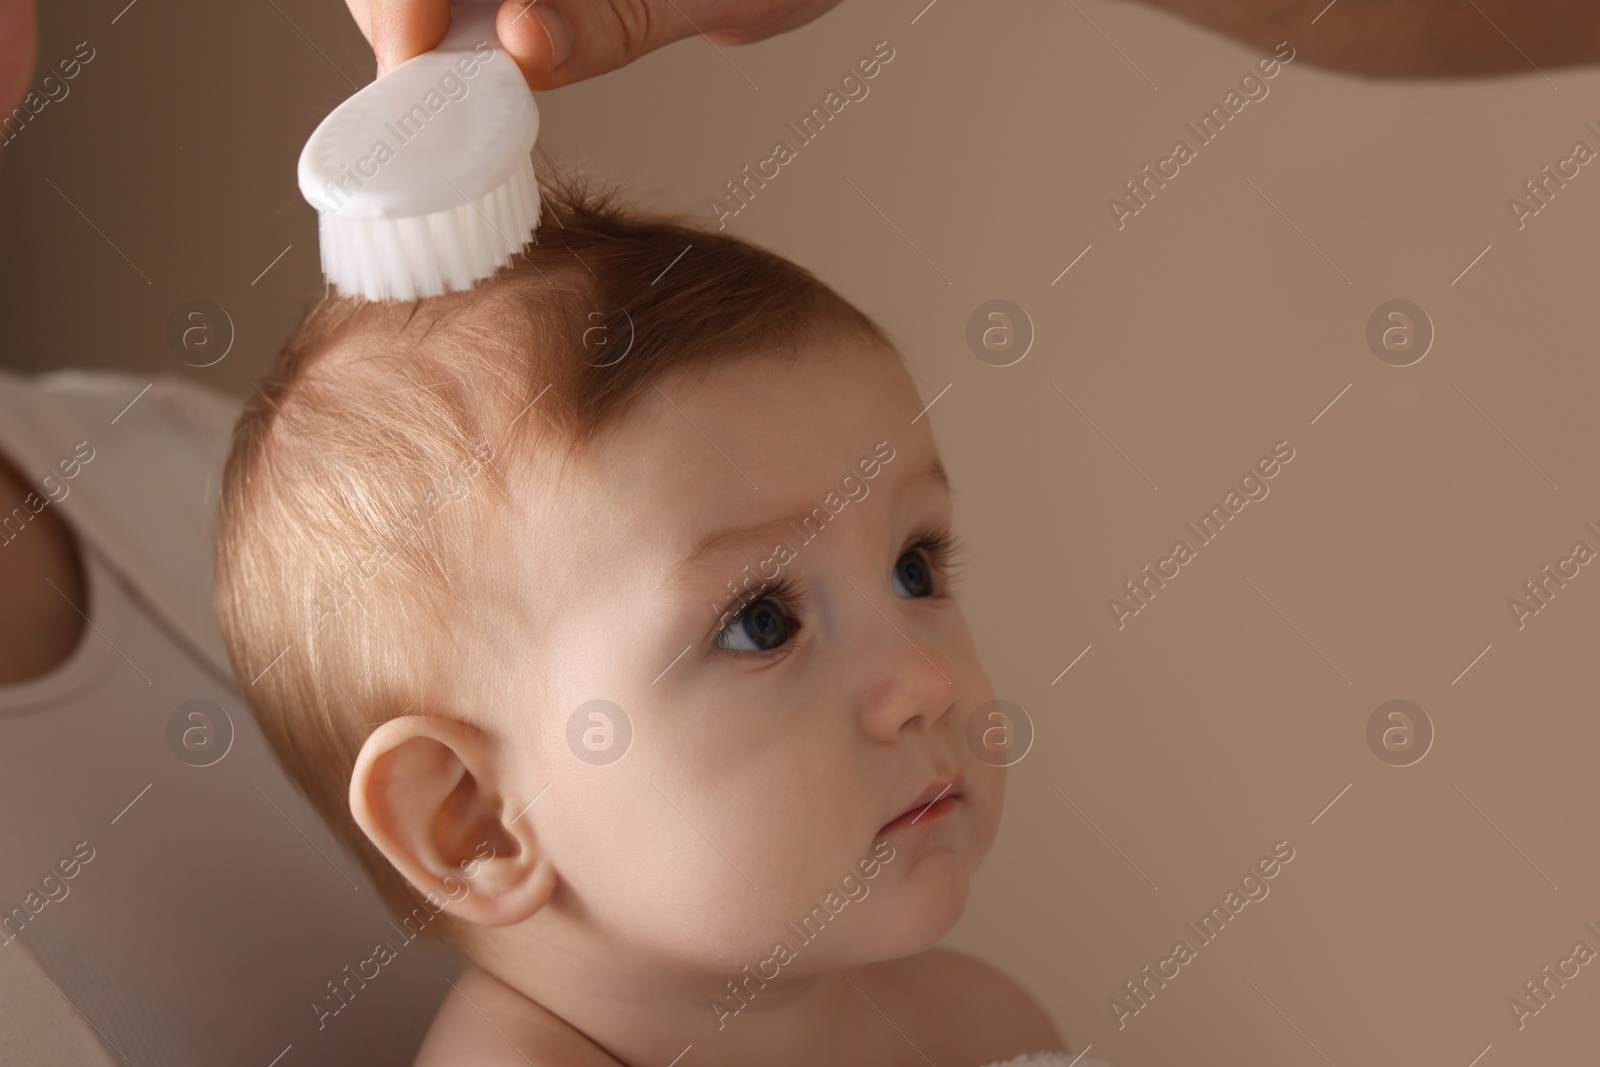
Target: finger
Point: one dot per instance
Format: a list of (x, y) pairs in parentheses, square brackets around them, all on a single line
[(758, 25), (19, 39), (404, 29), (558, 42), (360, 10)]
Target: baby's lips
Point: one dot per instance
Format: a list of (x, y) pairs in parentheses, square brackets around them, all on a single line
[(944, 787)]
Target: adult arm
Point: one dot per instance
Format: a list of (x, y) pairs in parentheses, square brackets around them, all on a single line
[(1376, 38), (1410, 38), (44, 587)]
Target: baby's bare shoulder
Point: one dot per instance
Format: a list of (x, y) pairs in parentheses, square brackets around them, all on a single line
[(486, 1023), (972, 1010)]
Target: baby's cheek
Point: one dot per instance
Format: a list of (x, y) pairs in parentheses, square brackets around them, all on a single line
[(804, 835), (986, 790), (654, 865)]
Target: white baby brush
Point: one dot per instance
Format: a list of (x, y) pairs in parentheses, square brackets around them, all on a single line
[(423, 181)]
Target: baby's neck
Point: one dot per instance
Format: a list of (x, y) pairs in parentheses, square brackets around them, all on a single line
[(596, 1017)]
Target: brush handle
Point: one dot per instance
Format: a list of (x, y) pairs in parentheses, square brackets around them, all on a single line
[(471, 24), (445, 127)]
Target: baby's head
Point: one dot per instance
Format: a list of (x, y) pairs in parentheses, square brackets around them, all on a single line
[(608, 606)]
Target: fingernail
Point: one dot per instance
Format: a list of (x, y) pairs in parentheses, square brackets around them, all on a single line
[(558, 32)]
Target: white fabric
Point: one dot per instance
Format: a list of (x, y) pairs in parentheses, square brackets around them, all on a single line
[(1051, 1059), (147, 498), (37, 1026), (216, 906)]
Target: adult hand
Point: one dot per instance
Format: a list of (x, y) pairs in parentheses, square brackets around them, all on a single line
[(558, 42), (19, 35)]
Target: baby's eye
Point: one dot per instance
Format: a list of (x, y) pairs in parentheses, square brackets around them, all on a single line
[(768, 623), (912, 575), (762, 625)]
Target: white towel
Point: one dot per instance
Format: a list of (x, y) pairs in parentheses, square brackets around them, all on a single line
[(1051, 1059)]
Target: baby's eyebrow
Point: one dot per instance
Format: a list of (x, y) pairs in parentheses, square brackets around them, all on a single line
[(721, 541)]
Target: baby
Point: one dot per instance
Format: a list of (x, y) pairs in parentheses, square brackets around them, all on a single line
[(606, 612)]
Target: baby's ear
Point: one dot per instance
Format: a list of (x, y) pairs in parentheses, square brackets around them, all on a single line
[(425, 790)]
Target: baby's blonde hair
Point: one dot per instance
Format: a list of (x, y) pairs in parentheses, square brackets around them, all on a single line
[(366, 465)]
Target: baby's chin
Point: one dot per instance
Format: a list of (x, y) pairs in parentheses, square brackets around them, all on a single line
[(917, 906), (924, 887)]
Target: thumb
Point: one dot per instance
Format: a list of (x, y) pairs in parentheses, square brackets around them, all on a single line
[(558, 42), (403, 29)]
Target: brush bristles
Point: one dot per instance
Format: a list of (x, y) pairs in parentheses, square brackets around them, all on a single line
[(402, 259)]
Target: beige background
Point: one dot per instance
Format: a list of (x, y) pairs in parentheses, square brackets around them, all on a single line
[(1208, 329)]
